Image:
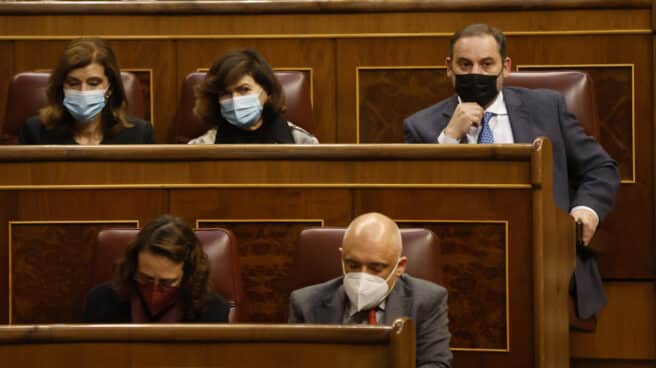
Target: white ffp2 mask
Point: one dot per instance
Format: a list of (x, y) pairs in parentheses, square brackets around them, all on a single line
[(366, 291)]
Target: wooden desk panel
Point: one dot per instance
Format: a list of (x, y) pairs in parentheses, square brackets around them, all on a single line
[(209, 346), (340, 41), (502, 308)]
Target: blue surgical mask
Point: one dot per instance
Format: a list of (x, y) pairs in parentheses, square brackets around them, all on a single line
[(242, 111), (84, 105)]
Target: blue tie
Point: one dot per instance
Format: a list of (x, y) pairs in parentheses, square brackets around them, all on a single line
[(486, 135)]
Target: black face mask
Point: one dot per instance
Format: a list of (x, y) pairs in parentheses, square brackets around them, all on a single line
[(479, 88)]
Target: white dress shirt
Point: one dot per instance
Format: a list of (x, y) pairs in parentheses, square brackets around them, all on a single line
[(501, 130), (500, 125)]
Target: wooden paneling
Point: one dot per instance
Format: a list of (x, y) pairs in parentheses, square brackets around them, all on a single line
[(243, 345), (81, 204), (599, 363), (268, 198), (51, 261), (387, 95), (394, 53), (335, 44), (37, 249), (232, 25), (9, 202), (628, 229), (159, 57), (319, 55), (266, 223), (266, 250), (31, 55), (6, 72), (625, 328), (473, 249), (474, 258)]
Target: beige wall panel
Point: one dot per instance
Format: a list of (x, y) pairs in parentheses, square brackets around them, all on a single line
[(626, 326), (288, 53)]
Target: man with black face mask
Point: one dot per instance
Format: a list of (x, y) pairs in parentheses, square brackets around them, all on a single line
[(483, 111)]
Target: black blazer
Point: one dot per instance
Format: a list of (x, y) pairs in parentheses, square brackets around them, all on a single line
[(102, 306), (34, 132)]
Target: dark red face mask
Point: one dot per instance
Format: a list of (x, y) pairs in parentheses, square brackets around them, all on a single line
[(157, 298)]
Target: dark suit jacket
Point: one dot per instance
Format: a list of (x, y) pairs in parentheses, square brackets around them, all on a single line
[(420, 300), (102, 306), (583, 172), (34, 132)]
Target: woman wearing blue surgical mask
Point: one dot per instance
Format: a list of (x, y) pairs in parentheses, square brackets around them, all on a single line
[(86, 102), (244, 103)]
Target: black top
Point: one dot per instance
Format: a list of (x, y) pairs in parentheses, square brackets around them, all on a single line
[(273, 130), (103, 306), (34, 132)]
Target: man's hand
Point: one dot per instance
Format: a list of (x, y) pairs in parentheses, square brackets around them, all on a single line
[(465, 115), (589, 221)]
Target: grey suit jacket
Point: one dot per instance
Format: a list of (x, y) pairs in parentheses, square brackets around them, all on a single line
[(583, 173), (423, 301)]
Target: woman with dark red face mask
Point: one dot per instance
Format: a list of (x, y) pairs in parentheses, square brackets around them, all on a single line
[(164, 277)]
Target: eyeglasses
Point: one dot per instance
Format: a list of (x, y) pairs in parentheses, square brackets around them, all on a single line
[(162, 283)]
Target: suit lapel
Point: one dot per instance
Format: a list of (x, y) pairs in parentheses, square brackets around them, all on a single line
[(399, 302), (518, 116), (331, 310)]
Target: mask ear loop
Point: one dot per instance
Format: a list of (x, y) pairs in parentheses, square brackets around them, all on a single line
[(393, 269)]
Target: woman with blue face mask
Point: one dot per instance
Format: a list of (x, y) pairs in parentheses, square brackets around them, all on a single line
[(86, 102), (244, 102)]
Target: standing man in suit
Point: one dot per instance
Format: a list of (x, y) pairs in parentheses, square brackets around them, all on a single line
[(483, 111), (375, 290)]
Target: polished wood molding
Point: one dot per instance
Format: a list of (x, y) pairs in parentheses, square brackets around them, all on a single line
[(264, 151), (303, 6), (193, 332)]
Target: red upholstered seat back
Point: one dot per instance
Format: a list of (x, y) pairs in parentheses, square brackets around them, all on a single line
[(295, 85), (27, 95), (576, 86), (219, 244), (317, 258)]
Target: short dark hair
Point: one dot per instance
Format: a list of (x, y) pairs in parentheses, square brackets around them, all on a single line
[(170, 237), (78, 54), (226, 71), (480, 29)]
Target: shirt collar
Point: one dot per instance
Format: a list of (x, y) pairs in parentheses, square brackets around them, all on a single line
[(352, 310), (498, 107)]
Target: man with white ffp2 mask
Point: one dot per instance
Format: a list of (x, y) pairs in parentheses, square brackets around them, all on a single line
[(375, 290)]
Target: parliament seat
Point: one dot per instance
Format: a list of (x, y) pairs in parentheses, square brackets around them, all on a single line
[(576, 86), (317, 258), (219, 244), (296, 87), (27, 95)]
